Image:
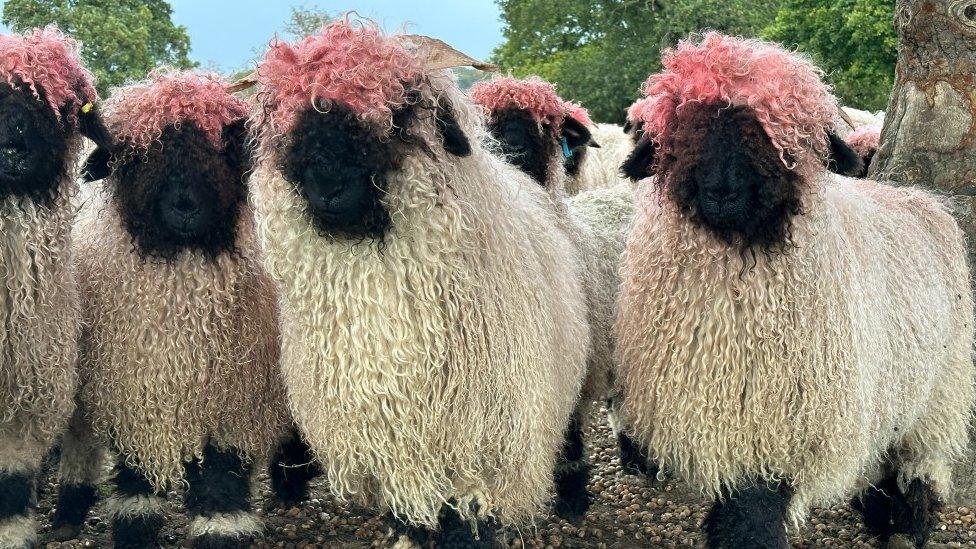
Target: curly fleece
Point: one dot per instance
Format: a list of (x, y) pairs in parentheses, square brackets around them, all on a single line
[(579, 113), (441, 365), (137, 114), (807, 366), (348, 63), (49, 64), (784, 89), (601, 168), (864, 140), (532, 95)]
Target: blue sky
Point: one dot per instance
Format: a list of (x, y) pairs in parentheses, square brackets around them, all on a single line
[(227, 33)]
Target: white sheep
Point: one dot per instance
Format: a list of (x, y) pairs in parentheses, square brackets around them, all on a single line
[(433, 322), (786, 335)]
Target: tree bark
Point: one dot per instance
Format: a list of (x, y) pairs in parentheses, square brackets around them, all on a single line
[(929, 135)]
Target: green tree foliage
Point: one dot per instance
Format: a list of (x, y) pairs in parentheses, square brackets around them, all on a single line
[(599, 52), (305, 21), (123, 39), (853, 40)]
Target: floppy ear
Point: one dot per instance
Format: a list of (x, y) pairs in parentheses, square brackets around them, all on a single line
[(628, 125), (842, 159), (452, 136), (638, 164), (97, 166), (237, 146), (575, 133), (92, 126)]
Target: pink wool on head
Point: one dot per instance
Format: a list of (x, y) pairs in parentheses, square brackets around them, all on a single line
[(139, 113), (49, 64), (579, 113), (785, 90), (356, 66), (533, 95), (639, 110), (864, 140)]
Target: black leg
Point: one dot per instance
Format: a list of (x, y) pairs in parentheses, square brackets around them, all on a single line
[(406, 535), (82, 458), (877, 507), (218, 500), (17, 500), (572, 475), (751, 517), (136, 510), (918, 516), (74, 502), (456, 533), (292, 469)]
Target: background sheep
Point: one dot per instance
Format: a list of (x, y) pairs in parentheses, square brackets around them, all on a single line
[(865, 141), (431, 308), (785, 334), (46, 101), (598, 219), (179, 369)]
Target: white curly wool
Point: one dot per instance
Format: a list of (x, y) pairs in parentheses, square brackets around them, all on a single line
[(41, 322), (442, 364), (178, 352), (601, 167), (808, 365)]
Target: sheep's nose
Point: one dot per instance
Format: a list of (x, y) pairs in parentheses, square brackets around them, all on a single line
[(722, 194), (186, 205)]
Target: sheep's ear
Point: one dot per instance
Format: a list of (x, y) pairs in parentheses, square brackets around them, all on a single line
[(628, 125), (97, 166), (576, 134), (452, 136), (638, 164), (92, 126), (237, 146), (843, 159)]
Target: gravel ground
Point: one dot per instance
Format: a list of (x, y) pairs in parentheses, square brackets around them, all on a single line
[(628, 512)]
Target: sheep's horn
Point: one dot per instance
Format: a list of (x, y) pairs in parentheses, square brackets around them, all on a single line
[(847, 118), (442, 56), (242, 84)]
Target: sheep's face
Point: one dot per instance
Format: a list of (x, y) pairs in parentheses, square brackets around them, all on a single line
[(342, 165), (33, 146), (720, 167), (183, 193), (531, 146)]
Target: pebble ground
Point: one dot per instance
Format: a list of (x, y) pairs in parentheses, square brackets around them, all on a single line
[(628, 512)]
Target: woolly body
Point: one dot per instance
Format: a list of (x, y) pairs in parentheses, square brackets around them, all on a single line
[(602, 165), (813, 365), (177, 351), (417, 365)]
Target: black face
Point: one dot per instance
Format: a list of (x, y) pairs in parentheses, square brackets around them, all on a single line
[(342, 168), (33, 146), (726, 174), (578, 140), (844, 160), (183, 194), (524, 143)]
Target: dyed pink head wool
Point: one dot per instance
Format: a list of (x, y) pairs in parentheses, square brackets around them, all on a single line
[(533, 95), (578, 113), (49, 64), (139, 113), (784, 89), (864, 140), (354, 65)]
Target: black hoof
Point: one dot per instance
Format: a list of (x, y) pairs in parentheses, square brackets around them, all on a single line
[(751, 517), (292, 469), (572, 497), (455, 533), (137, 532), (74, 502)]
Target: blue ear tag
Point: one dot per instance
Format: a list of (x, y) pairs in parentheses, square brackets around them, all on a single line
[(566, 152)]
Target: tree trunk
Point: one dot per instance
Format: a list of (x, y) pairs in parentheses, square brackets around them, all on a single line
[(929, 136)]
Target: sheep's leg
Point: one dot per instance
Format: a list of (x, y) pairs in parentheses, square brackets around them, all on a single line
[(292, 469), (218, 500), (750, 517), (407, 536), (136, 510), (877, 507), (572, 475), (82, 460), (18, 481), (916, 514), (633, 458), (456, 533)]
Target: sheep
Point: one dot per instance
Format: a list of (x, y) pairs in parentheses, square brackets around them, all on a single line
[(786, 335), (180, 348), (865, 142), (46, 105), (432, 314), (531, 121)]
